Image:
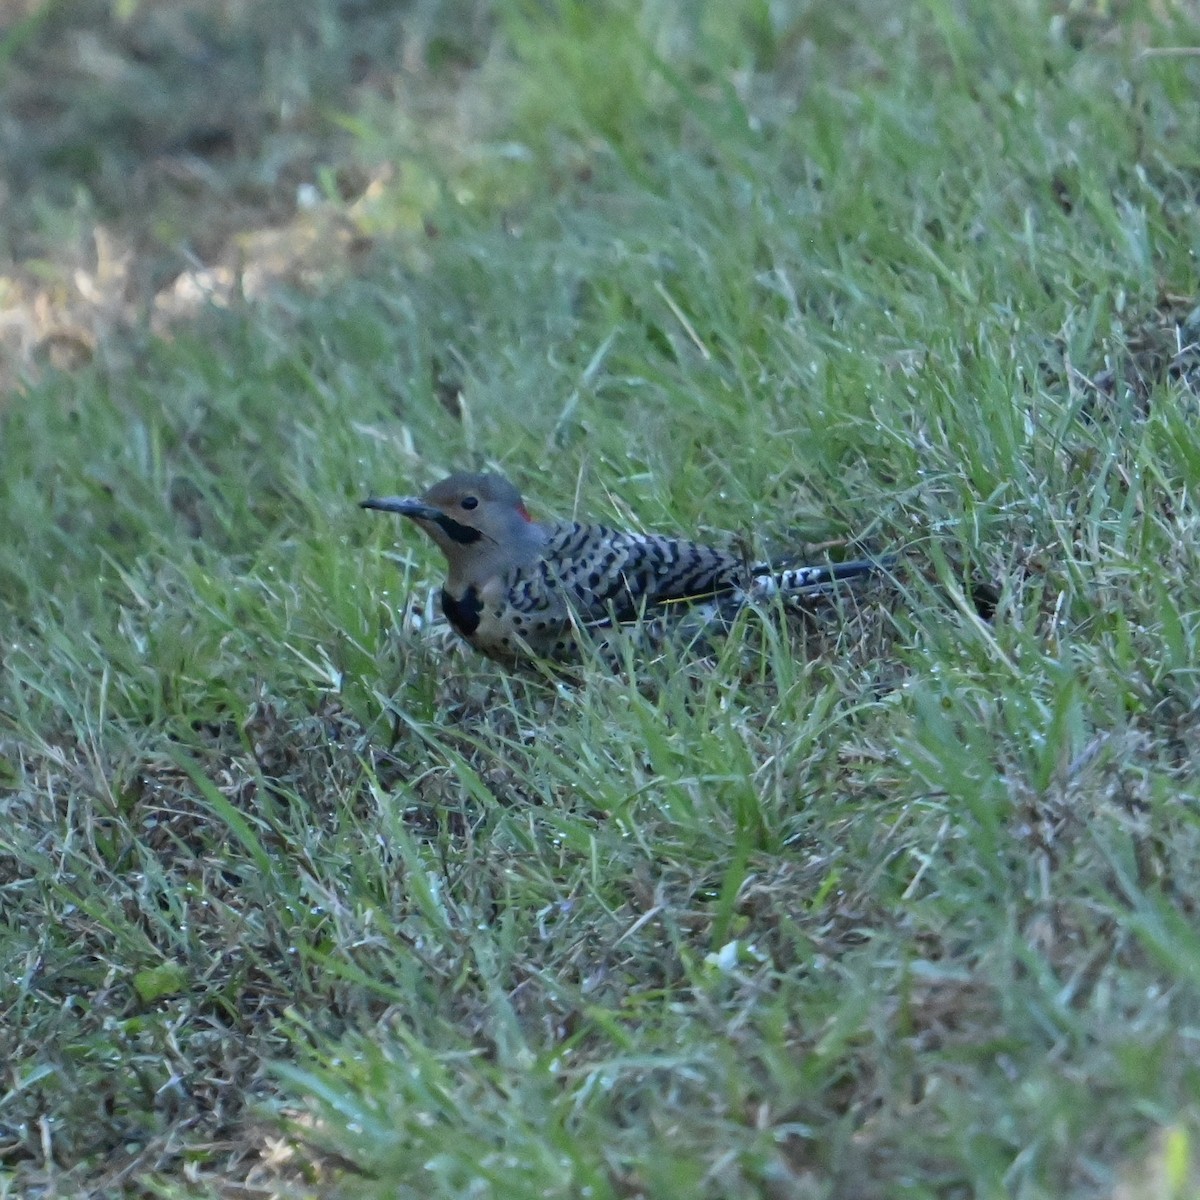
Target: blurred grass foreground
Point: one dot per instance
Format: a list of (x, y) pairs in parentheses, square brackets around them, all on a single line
[(892, 900)]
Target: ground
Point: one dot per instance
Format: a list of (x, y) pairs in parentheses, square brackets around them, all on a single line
[(895, 897)]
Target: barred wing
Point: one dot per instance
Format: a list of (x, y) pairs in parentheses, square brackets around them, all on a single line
[(604, 574)]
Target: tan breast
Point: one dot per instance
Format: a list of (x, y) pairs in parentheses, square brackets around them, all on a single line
[(506, 632)]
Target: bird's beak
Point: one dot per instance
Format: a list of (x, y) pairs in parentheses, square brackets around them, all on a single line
[(406, 506)]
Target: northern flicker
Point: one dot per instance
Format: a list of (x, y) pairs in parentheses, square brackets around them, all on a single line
[(516, 586)]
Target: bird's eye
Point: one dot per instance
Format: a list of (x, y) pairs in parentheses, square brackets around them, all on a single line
[(470, 502)]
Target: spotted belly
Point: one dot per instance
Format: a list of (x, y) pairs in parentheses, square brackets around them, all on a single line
[(496, 628)]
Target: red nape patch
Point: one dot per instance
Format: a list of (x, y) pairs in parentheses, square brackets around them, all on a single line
[(525, 513)]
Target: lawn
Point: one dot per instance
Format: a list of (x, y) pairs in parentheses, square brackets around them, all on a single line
[(893, 898)]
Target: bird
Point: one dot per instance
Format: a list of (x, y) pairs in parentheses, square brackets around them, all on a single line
[(519, 588)]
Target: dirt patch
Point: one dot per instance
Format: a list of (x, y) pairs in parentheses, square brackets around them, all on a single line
[(161, 156)]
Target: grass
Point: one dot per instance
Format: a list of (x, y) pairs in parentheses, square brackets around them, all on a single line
[(889, 900)]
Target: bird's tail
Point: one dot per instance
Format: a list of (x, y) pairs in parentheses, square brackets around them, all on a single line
[(797, 581)]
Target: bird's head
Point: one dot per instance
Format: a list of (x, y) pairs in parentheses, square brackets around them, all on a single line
[(478, 521)]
